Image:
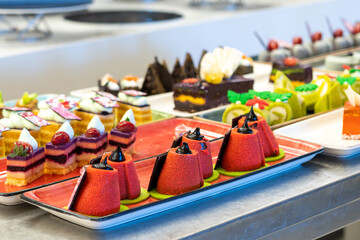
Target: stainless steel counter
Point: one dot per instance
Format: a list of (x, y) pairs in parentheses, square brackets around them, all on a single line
[(320, 196)]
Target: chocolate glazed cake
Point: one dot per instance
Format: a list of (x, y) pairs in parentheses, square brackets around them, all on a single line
[(203, 95), (298, 72)]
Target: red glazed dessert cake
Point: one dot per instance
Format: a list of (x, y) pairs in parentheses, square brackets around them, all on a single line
[(97, 191), (129, 183), (199, 143), (93, 143), (124, 134), (267, 138), (177, 172), (26, 162), (60, 153), (351, 118), (241, 150)]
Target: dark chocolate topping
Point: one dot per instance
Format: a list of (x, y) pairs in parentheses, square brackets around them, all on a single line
[(203, 146), (196, 135), (183, 149), (245, 129), (96, 160), (251, 116), (102, 165), (117, 155)]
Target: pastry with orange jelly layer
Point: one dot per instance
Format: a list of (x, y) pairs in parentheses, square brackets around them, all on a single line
[(60, 153), (124, 134), (137, 102), (93, 143), (351, 118), (217, 76), (25, 164)]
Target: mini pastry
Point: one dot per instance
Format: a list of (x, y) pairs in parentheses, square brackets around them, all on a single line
[(55, 119), (97, 191), (201, 145), (351, 119), (218, 75), (178, 73), (298, 49), (137, 102), (109, 84), (14, 121), (298, 73), (129, 183), (268, 141), (60, 153), (309, 93), (91, 106), (241, 150), (27, 101), (124, 134), (273, 52), (93, 143), (129, 82), (177, 172), (25, 164)]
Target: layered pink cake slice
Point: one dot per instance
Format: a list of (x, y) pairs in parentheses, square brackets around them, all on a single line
[(60, 153), (124, 134), (93, 143), (26, 162)]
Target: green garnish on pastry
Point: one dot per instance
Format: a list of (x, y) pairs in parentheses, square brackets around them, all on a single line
[(348, 80), (26, 99), (306, 87)]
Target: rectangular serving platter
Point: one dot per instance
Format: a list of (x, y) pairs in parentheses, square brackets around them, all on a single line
[(53, 199), (326, 130), (151, 139)]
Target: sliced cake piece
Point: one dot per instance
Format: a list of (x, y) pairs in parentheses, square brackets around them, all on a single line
[(351, 119), (60, 153), (93, 143), (26, 162), (124, 134)]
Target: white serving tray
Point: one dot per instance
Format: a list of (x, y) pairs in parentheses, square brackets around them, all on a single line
[(325, 130)]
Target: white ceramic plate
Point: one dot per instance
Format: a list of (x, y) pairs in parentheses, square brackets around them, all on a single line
[(325, 130)]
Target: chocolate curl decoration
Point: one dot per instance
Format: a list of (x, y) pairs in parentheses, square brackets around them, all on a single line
[(117, 155), (251, 116), (184, 149), (196, 135), (245, 129), (102, 165)]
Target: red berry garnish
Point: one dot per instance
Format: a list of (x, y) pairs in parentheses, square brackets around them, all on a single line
[(190, 80), (60, 138), (273, 45), (316, 36), (291, 61), (92, 132), (338, 33), (25, 145), (357, 28), (297, 40), (125, 126)]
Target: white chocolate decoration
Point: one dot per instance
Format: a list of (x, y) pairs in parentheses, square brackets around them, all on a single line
[(129, 116), (25, 136), (352, 96), (96, 123), (66, 127)]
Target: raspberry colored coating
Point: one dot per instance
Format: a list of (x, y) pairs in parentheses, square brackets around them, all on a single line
[(129, 183), (243, 152), (268, 140), (92, 132), (204, 155), (181, 173), (60, 138), (99, 194)]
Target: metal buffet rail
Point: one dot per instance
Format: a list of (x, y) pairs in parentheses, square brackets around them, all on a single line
[(307, 202)]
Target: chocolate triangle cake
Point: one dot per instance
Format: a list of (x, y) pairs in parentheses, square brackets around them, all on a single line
[(178, 73), (152, 83), (189, 67)]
